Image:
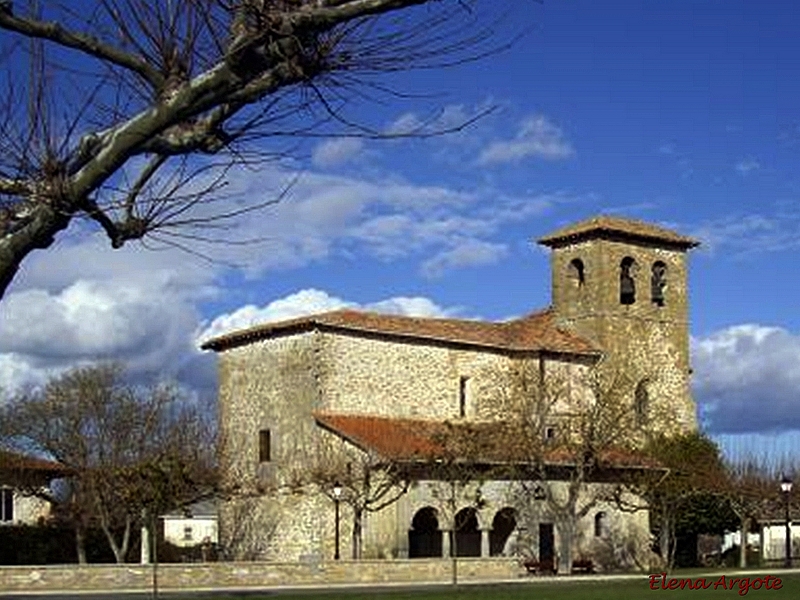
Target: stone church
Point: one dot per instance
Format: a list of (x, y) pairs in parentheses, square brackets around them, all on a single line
[(347, 388)]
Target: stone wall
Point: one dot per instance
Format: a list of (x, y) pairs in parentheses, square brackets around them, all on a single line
[(250, 575)]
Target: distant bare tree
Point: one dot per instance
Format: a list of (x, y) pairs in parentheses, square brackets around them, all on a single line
[(110, 106), (127, 450)]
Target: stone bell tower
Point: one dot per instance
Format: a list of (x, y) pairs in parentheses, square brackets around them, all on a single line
[(622, 284)]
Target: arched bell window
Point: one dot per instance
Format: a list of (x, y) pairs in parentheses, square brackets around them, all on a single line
[(658, 281), (627, 284), (577, 272)]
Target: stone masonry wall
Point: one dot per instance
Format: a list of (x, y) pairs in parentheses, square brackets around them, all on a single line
[(250, 576)]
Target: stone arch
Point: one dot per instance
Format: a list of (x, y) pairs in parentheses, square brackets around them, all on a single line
[(658, 282), (503, 525), (641, 402), (467, 533), (425, 537), (577, 272), (627, 282)]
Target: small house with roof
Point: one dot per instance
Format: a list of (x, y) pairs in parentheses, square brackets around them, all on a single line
[(387, 388), (20, 477)]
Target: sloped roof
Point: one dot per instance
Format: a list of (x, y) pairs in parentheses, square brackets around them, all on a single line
[(418, 440), (537, 331), (605, 226), (20, 463)]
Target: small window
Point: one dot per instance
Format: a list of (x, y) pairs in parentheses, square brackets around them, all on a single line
[(601, 525), (187, 534), (577, 272), (549, 434), (264, 446), (658, 281), (627, 284), (6, 504), (463, 390), (641, 402)]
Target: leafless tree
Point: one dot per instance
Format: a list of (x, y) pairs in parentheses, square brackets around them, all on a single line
[(578, 441), (369, 483), (127, 450), (129, 113)]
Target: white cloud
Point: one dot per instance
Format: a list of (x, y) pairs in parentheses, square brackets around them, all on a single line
[(335, 152), (747, 164), (537, 136), (741, 235), (470, 253), (405, 124), (747, 378), (311, 301)]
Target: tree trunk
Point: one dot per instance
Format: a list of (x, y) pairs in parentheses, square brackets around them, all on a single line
[(80, 544), (664, 536), (358, 515), (743, 544), (566, 531)]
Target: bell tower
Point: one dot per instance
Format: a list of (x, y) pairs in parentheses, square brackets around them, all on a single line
[(622, 284)]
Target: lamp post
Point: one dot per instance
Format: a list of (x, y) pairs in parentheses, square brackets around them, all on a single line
[(337, 492), (786, 488)]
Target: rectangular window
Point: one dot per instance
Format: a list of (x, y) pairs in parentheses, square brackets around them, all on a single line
[(462, 396), (6, 504), (264, 446), (187, 534)]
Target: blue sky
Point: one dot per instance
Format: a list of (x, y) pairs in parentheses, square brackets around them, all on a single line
[(685, 113)]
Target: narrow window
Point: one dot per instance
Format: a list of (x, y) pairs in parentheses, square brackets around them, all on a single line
[(263, 446), (627, 285), (7, 504), (641, 401), (463, 383), (658, 281), (601, 525), (187, 534), (549, 434), (577, 272)]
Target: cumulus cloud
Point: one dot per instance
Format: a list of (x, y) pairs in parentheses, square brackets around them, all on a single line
[(747, 379), (537, 136), (747, 164), (335, 152), (311, 301)]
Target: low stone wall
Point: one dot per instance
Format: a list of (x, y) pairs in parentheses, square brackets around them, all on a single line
[(252, 575)]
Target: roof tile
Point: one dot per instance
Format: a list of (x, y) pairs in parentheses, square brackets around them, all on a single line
[(628, 228), (537, 331)]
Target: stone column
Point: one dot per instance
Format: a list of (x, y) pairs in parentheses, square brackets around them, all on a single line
[(485, 550), (445, 543)]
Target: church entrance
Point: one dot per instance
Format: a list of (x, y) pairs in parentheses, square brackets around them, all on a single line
[(546, 543), (424, 537)]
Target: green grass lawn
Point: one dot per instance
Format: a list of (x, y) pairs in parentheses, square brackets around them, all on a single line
[(589, 590)]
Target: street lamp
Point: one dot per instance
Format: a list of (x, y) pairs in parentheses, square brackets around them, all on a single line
[(786, 488), (337, 492)]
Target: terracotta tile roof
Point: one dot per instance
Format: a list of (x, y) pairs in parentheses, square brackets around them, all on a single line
[(424, 440), (14, 462), (537, 331), (605, 225)]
